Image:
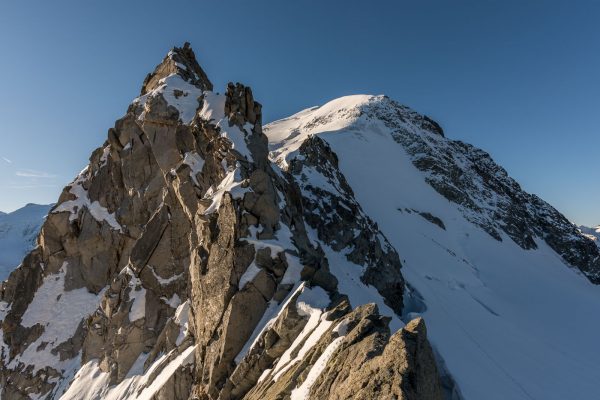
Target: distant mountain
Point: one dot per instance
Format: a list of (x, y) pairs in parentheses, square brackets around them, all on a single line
[(18, 232), (592, 233)]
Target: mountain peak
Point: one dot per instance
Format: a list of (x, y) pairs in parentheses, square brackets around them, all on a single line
[(181, 61), (389, 111), (183, 263), (359, 114)]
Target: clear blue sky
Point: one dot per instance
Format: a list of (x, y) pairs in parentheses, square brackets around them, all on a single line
[(520, 79)]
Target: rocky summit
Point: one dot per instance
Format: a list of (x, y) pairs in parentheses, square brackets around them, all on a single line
[(203, 256)]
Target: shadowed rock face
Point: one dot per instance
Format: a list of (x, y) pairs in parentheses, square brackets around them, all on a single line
[(333, 212), (181, 264), (487, 195)]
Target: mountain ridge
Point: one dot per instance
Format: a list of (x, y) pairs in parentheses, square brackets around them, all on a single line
[(471, 273), (180, 211), (201, 255), (472, 194)]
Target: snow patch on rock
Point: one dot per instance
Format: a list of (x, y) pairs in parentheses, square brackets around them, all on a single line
[(138, 295), (92, 383), (178, 93), (232, 184), (311, 302), (82, 200), (181, 318), (302, 391), (60, 312), (213, 110), (195, 162)]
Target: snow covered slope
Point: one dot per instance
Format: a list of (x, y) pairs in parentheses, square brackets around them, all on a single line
[(18, 231), (495, 271), (592, 233)]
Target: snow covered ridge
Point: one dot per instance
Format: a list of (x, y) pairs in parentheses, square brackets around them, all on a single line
[(105, 246), (18, 234), (178, 212), (463, 174), (487, 264), (183, 262)]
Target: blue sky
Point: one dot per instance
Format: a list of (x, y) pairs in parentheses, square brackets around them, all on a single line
[(516, 78)]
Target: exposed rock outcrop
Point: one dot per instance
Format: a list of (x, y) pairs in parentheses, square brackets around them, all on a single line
[(354, 357), (182, 264), (489, 197), (463, 174)]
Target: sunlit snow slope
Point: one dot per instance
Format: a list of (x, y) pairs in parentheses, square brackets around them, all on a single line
[(18, 231), (510, 321)]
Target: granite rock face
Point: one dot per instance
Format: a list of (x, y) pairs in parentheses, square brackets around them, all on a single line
[(355, 357), (182, 263), (187, 261)]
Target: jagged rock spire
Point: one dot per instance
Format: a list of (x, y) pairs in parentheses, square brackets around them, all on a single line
[(159, 269), (181, 61)]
